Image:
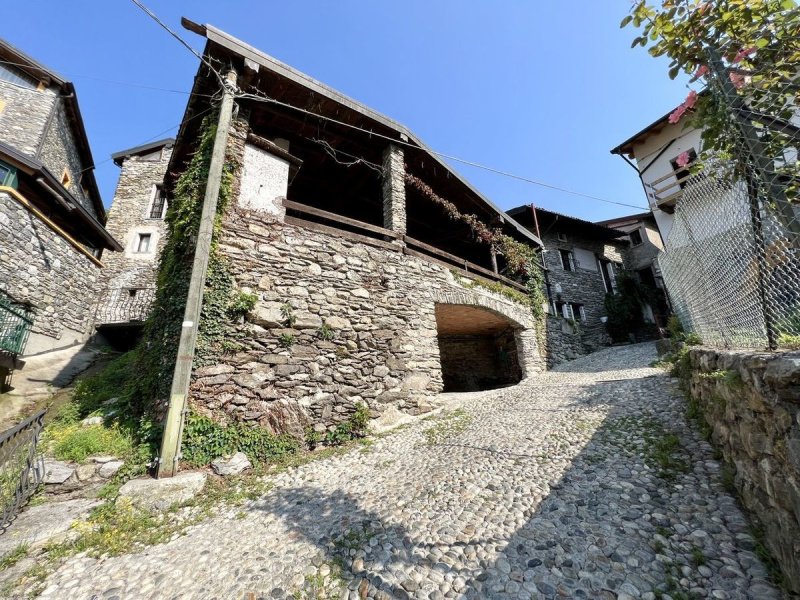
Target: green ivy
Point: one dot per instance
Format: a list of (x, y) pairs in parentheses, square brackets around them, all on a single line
[(205, 439)]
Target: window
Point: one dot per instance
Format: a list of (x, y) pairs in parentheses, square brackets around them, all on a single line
[(66, 179), (142, 245), (566, 311), (8, 175), (159, 204), (577, 309), (567, 261), (609, 279), (132, 292), (17, 77), (562, 237), (584, 259), (682, 173), (636, 237)]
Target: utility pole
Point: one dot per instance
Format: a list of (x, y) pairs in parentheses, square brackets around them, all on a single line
[(173, 429)]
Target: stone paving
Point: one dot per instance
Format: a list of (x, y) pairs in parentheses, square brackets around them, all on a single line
[(585, 483)]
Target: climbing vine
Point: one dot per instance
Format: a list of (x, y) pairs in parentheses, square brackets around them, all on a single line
[(521, 259)]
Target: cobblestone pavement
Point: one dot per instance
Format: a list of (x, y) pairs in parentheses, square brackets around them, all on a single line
[(584, 483)]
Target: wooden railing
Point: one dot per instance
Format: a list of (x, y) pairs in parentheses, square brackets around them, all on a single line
[(374, 235), (666, 190)]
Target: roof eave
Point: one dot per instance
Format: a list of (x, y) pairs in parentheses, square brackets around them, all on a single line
[(244, 50)]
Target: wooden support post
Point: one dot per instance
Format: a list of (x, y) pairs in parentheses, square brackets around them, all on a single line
[(181, 378), (494, 259)]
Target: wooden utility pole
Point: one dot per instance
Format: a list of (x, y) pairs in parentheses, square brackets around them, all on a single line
[(173, 429)]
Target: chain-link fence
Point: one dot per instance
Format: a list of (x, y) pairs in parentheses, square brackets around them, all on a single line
[(732, 257)]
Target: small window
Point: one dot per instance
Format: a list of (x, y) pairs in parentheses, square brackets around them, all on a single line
[(562, 237), (159, 205), (578, 309), (636, 237), (66, 179), (8, 175), (567, 312), (142, 243), (567, 261), (132, 293)]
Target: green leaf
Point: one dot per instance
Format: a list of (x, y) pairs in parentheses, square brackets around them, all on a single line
[(625, 21), (673, 72), (762, 43)]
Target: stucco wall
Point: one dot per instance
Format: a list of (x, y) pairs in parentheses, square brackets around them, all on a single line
[(38, 265), (751, 402), (379, 305), (24, 115)]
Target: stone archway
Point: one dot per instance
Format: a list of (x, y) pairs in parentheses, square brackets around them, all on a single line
[(478, 348)]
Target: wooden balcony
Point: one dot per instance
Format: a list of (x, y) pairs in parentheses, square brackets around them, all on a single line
[(665, 191)]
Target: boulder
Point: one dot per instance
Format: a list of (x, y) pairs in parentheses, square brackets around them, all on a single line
[(160, 494), (231, 465), (85, 472), (37, 525), (56, 472), (96, 420), (109, 469)]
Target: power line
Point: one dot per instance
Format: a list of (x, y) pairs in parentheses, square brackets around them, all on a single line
[(260, 98), (182, 42)]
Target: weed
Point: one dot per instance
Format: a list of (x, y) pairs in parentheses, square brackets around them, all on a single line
[(448, 425), (767, 559), (698, 557), (287, 312), (790, 342), (326, 333), (286, 340), (75, 442), (13, 557), (658, 546), (241, 304), (664, 531), (727, 475)]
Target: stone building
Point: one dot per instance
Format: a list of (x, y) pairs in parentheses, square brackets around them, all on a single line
[(136, 219), (51, 215), (641, 259), (583, 260), (366, 290)]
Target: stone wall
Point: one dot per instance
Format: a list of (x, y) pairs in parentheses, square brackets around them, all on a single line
[(337, 323), (24, 115), (751, 401), (583, 286), (59, 151), (478, 362), (563, 341), (40, 266), (129, 215)]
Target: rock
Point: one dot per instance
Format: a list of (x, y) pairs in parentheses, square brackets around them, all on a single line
[(232, 465), (360, 293), (109, 469), (57, 472), (85, 472), (267, 314), (101, 459), (337, 323), (307, 320), (160, 494), (44, 522), (89, 421)]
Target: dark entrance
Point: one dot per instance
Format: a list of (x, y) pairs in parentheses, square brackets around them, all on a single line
[(477, 348)]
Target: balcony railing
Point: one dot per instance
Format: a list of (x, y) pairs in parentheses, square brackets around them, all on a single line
[(373, 235), (666, 190), (16, 321), (125, 306)]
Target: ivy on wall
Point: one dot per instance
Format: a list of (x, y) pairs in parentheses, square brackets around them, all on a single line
[(521, 259)]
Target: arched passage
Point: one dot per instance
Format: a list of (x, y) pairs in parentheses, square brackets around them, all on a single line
[(477, 348)]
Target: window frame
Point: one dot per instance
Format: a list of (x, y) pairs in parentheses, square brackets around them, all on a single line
[(154, 196), (10, 178), (137, 245), (638, 232), (570, 264)]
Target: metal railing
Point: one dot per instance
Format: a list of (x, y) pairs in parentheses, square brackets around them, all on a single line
[(21, 467), (16, 322), (125, 305)]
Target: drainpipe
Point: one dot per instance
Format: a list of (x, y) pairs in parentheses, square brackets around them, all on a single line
[(181, 378)]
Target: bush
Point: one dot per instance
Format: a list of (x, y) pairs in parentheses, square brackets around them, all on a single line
[(205, 439)]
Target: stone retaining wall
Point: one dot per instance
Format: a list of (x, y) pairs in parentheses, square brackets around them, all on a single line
[(337, 323), (751, 401)]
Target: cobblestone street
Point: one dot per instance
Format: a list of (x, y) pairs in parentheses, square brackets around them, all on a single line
[(585, 482)]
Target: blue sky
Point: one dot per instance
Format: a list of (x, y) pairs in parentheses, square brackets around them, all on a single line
[(541, 89)]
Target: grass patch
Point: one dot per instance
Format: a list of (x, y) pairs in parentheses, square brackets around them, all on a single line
[(446, 426), (73, 441), (698, 557), (13, 557)]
